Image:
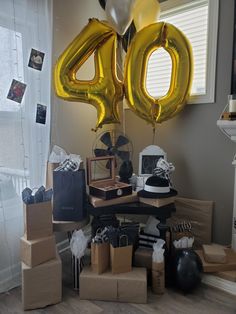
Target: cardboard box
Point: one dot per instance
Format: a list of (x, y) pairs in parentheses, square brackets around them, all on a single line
[(99, 202), (157, 202), (35, 252), (199, 213), (38, 220), (105, 187), (41, 285), (129, 287), (143, 258), (214, 267), (214, 254)]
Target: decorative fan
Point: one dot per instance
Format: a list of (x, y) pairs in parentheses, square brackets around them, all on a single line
[(112, 143)]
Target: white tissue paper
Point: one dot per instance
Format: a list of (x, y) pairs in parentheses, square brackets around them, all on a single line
[(75, 158), (57, 155), (78, 243), (158, 251), (183, 243)]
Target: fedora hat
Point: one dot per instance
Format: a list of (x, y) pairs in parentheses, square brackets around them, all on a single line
[(157, 187)]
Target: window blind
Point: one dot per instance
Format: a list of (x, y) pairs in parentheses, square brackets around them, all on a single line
[(193, 22)]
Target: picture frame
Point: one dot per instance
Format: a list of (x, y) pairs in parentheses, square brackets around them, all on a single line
[(148, 159)]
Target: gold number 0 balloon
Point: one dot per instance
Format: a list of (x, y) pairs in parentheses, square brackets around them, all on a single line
[(144, 43), (105, 90)]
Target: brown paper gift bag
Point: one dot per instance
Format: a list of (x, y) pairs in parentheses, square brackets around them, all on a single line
[(100, 257), (158, 278), (121, 259)]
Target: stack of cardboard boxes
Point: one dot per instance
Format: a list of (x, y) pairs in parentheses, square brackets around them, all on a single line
[(216, 258), (41, 265), (111, 276)]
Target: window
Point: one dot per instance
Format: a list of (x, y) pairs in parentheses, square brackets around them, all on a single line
[(196, 19)]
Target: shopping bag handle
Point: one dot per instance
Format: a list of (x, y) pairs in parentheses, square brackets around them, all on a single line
[(123, 236)]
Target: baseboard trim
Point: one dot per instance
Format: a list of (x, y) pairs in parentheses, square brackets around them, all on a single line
[(220, 283)]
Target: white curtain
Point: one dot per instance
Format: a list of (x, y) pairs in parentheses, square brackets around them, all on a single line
[(24, 144)]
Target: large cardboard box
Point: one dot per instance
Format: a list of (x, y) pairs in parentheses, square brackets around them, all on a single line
[(128, 287), (35, 252), (38, 220), (200, 214), (41, 285)]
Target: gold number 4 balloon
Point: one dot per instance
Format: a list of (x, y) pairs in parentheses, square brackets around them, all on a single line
[(105, 90)]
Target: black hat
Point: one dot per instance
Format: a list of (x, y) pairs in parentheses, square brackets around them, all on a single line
[(157, 187)]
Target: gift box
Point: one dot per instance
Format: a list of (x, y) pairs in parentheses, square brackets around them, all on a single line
[(157, 202), (99, 202), (41, 285), (35, 252), (218, 267), (129, 287), (37, 220), (69, 195), (214, 253), (105, 186)]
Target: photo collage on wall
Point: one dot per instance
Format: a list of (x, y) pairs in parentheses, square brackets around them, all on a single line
[(17, 88)]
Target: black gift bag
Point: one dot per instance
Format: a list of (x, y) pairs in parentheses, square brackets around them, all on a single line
[(69, 195)]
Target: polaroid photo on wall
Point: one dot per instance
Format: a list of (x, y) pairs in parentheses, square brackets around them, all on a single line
[(16, 91), (41, 114), (36, 59)]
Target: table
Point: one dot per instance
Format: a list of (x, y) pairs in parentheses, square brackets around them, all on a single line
[(136, 208)]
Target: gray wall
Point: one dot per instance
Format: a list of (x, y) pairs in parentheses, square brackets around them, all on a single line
[(201, 153)]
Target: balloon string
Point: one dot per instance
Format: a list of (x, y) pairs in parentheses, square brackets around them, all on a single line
[(153, 134)]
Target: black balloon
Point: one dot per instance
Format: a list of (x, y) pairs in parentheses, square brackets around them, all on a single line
[(128, 36), (187, 267), (102, 3)]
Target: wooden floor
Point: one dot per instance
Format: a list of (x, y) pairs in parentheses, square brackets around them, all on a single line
[(204, 300)]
